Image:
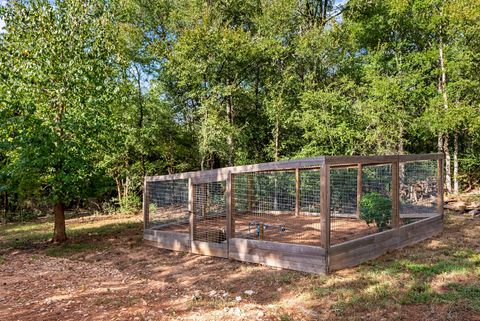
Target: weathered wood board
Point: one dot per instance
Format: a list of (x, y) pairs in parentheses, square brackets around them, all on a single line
[(210, 249), (354, 252), (168, 240), (289, 256)]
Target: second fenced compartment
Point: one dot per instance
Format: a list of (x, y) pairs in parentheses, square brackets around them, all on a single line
[(315, 215)]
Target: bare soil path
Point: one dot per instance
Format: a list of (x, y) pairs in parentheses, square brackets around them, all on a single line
[(105, 272)]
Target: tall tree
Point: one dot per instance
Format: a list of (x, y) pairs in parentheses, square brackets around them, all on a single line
[(59, 66)]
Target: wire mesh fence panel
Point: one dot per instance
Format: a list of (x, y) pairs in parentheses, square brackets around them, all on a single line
[(265, 209), (310, 192), (168, 205), (210, 212), (418, 191), (375, 206), (343, 197)]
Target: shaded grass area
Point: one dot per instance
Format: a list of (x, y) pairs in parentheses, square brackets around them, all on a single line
[(84, 233)]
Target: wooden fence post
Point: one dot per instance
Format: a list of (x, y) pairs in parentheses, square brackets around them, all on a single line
[(228, 203), (230, 206), (440, 191), (204, 200), (146, 207), (395, 195), (297, 191), (359, 188), (191, 209), (249, 192), (325, 211)]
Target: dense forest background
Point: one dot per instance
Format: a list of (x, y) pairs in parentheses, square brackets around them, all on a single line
[(96, 94)]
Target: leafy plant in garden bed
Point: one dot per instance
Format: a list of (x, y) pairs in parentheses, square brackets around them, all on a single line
[(375, 207)]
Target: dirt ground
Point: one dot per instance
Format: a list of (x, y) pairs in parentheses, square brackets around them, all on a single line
[(109, 274), (285, 228)]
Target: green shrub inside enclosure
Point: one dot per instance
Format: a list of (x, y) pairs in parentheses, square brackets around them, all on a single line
[(377, 208)]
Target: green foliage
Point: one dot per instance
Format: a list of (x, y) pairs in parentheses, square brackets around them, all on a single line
[(130, 203), (58, 65), (376, 208)]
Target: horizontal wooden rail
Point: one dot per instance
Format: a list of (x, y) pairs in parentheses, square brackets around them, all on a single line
[(221, 174), (371, 160)]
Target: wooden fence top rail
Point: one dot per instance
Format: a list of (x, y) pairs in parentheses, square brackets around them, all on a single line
[(221, 174)]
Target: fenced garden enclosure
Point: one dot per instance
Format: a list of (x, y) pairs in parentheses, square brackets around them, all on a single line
[(315, 215)]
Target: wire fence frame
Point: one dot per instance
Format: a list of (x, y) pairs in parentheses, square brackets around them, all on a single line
[(299, 198), (267, 206)]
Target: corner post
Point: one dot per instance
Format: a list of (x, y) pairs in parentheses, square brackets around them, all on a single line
[(204, 197), (359, 188), (230, 195), (440, 191), (191, 209), (228, 199), (325, 212), (297, 191), (395, 195), (145, 205), (249, 192)]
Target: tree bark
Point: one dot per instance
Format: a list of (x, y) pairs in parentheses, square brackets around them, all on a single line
[(401, 151), (448, 167), (230, 139), (140, 114), (440, 143), (277, 137), (5, 207), (119, 189), (59, 233), (442, 89), (455, 163)]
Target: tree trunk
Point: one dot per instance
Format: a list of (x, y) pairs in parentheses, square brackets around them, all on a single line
[(455, 163), (448, 167), (5, 205), (140, 114), (277, 137), (401, 151), (440, 143), (230, 139), (59, 234), (442, 89), (119, 189)]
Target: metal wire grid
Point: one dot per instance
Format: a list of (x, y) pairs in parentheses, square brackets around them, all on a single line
[(310, 191), (210, 212), (343, 191), (265, 207), (418, 191), (168, 205), (345, 222)]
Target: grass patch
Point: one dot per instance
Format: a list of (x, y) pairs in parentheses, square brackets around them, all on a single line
[(22, 235), (65, 250), (431, 269), (29, 234), (420, 292), (284, 278), (286, 317), (468, 294), (2, 259)]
